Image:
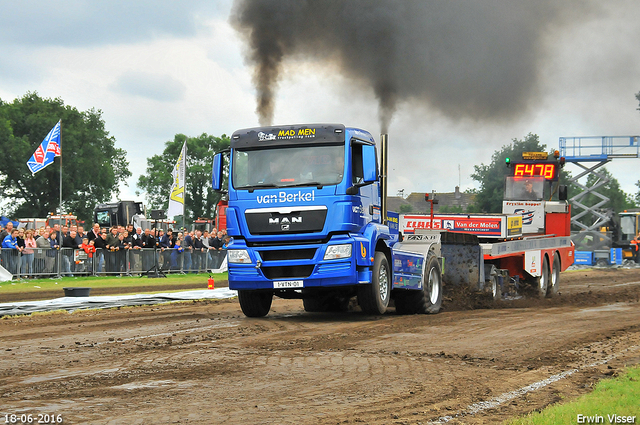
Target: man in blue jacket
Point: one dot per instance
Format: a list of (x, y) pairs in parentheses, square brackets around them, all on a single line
[(10, 252)]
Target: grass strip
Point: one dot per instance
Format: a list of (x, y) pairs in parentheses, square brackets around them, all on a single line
[(612, 401), (48, 284)]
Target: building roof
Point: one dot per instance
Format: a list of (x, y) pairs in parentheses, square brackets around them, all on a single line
[(415, 201)]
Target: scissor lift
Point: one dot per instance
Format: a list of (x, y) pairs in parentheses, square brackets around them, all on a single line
[(590, 154)]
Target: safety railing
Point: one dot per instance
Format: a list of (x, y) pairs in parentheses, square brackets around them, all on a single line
[(585, 149), (44, 262)]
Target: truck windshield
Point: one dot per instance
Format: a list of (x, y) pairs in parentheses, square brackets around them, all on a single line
[(288, 166), (628, 227), (524, 189)]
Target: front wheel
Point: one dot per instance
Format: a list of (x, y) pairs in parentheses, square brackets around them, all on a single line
[(374, 298), (255, 303)]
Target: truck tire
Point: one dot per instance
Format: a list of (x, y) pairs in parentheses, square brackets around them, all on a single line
[(496, 288), (314, 305), (374, 298), (539, 284), (334, 304), (554, 280), (427, 301), (493, 289), (255, 303)]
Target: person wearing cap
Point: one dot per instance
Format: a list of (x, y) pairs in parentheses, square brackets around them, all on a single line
[(527, 192)]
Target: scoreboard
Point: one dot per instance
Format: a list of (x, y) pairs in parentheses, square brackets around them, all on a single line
[(548, 170)]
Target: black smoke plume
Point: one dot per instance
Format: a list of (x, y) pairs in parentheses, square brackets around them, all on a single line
[(478, 59)]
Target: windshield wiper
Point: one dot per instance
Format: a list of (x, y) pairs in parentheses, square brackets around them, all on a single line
[(252, 187), (317, 184)]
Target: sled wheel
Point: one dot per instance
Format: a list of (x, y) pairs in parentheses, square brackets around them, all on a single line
[(496, 288), (429, 299), (554, 282), (539, 283)]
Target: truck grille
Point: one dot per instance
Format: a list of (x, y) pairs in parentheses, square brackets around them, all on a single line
[(287, 272), (290, 254), (273, 221)]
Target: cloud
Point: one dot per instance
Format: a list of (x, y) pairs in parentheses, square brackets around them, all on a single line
[(162, 88), (89, 23)]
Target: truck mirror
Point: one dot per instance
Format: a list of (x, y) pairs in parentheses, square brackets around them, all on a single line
[(562, 192), (216, 175), (369, 163)]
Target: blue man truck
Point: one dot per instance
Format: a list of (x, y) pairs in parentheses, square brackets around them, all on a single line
[(308, 220), (307, 214)]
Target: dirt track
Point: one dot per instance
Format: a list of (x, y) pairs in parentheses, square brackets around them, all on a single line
[(204, 362)]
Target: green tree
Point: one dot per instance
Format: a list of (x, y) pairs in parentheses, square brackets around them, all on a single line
[(491, 176), (200, 199), (406, 208), (92, 169), (450, 209)]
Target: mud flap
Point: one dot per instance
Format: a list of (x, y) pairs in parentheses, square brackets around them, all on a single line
[(464, 261)]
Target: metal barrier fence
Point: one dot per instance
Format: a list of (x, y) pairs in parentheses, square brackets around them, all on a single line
[(41, 262)]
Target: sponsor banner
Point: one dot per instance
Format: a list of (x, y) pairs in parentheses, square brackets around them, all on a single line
[(178, 176), (479, 225), (532, 213), (514, 226)]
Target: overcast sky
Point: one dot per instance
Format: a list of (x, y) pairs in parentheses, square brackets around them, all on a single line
[(157, 68)]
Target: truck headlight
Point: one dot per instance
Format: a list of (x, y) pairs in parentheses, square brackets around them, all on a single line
[(238, 256), (337, 251)]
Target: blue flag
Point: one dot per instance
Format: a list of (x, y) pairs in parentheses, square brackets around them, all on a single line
[(48, 149)]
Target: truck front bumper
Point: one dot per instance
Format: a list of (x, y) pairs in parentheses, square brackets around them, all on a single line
[(283, 268)]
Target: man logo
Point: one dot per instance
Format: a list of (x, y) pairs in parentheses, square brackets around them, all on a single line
[(285, 220), (284, 227)]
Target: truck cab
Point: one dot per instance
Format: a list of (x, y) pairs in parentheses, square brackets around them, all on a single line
[(529, 189), (304, 211)]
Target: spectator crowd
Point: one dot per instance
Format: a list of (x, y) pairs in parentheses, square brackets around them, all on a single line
[(70, 250)]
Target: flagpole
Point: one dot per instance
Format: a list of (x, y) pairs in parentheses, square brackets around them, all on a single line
[(60, 121)]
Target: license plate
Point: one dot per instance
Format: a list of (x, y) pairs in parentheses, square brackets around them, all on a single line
[(284, 284)]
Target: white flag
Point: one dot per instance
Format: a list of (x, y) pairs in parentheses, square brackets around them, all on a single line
[(176, 198)]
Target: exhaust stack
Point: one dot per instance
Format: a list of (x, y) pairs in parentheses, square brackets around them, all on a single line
[(384, 152)]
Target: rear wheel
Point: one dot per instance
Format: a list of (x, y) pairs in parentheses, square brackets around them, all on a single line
[(323, 304), (374, 298), (427, 301), (496, 289), (539, 283), (255, 303), (554, 282), (314, 305)]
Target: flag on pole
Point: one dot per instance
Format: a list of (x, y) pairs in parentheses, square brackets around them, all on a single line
[(48, 149), (176, 198)]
